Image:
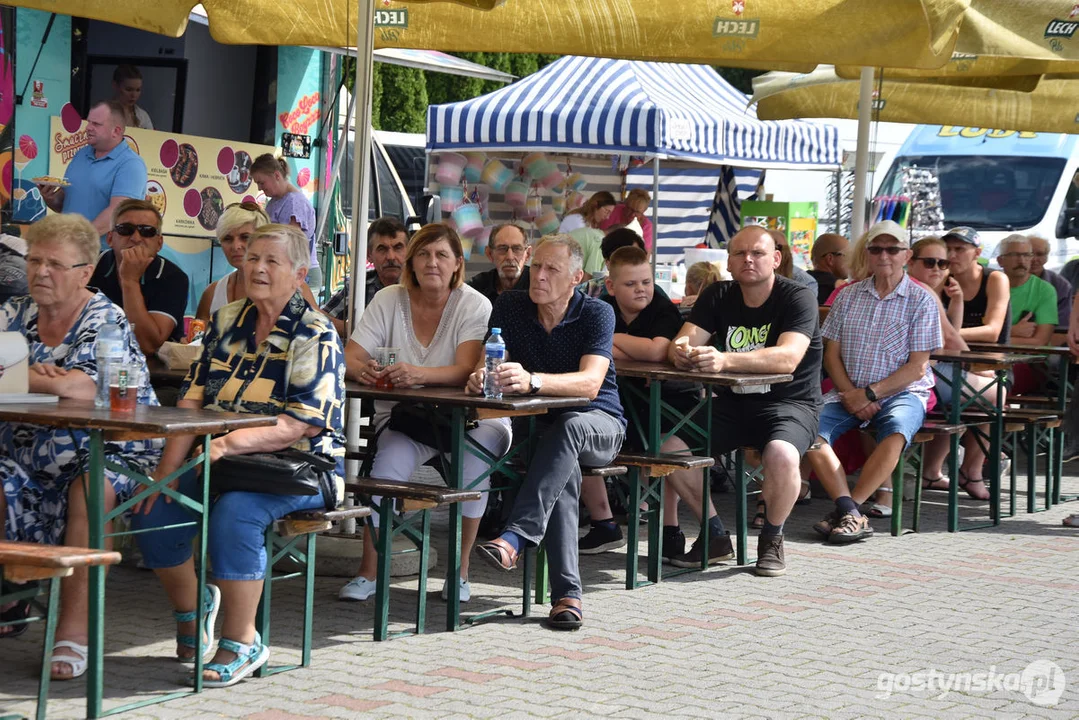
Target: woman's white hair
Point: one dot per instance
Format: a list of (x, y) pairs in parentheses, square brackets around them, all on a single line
[(236, 216), (296, 246)]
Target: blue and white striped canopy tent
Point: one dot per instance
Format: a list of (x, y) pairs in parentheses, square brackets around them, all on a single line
[(663, 110), (685, 115)]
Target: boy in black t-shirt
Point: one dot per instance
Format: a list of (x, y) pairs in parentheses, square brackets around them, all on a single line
[(645, 323), (760, 323)]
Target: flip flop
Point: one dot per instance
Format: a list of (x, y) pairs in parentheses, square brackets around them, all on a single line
[(19, 611), (964, 481), (876, 510), (929, 483)]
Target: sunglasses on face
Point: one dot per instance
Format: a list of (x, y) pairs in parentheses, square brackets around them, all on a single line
[(892, 250), (931, 263), (128, 229)]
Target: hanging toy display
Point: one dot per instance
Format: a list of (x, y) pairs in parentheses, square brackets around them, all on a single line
[(496, 175), (547, 221), (517, 194), (474, 167), (533, 204), (450, 168), (452, 196)]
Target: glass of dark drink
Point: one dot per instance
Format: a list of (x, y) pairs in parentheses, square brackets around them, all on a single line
[(385, 356), (124, 382)]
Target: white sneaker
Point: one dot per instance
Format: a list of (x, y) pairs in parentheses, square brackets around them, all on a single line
[(358, 588), (465, 592)]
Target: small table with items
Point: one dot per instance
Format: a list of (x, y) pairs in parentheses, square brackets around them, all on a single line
[(145, 422)]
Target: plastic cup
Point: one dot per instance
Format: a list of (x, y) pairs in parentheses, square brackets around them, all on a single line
[(124, 380), (385, 356)]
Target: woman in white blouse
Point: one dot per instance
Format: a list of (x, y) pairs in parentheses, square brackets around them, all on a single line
[(437, 325), (592, 214)]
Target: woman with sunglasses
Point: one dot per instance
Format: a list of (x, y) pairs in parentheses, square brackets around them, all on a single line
[(287, 205), (42, 469), (235, 226)]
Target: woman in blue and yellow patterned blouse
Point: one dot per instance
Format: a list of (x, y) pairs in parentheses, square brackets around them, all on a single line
[(271, 354)]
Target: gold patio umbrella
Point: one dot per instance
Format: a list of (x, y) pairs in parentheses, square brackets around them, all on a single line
[(1052, 104)]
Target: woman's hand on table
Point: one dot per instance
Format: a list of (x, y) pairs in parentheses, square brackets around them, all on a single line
[(48, 370), (474, 386), (370, 373), (405, 375)]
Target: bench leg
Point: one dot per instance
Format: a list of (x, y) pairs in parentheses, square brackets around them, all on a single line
[(528, 559), (52, 616), (262, 615), (308, 599), (1050, 465), (1012, 473), (382, 579), (953, 483), (421, 588), (655, 530), (740, 519), (918, 478), (542, 594)]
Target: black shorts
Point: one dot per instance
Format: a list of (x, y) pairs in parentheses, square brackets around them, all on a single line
[(751, 422), (682, 400)]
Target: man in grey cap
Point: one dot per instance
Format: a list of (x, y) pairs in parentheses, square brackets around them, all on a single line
[(985, 292)]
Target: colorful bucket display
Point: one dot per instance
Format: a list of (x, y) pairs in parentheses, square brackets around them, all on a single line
[(474, 166), (552, 179), (482, 240), (496, 174), (533, 207), (452, 197), (450, 167), (467, 244), (558, 204), (535, 164), (547, 221), (517, 194), (576, 181), (574, 200), (468, 220)]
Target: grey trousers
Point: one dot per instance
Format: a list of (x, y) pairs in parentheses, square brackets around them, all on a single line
[(547, 505)]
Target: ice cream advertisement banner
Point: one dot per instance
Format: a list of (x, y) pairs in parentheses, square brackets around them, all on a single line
[(191, 180)]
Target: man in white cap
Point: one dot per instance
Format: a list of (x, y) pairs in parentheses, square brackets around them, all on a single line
[(878, 338)]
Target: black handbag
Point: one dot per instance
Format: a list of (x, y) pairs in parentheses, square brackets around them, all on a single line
[(284, 472), (425, 427)]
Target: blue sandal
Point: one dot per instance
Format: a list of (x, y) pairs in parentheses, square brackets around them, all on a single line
[(249, 658), (211, 603)]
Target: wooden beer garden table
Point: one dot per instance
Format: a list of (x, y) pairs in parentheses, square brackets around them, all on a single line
[(144, 423), (455, 407), (658, 373)]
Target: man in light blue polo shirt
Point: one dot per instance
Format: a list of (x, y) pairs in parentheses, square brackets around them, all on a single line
[(101, 175)]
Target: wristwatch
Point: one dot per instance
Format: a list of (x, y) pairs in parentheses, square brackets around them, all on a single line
[(869, 394), (535, 383)]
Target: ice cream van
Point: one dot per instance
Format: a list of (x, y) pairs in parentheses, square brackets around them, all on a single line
[(999, 182)]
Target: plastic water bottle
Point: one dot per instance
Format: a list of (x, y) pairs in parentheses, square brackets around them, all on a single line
[(109, 349), (494, 355)]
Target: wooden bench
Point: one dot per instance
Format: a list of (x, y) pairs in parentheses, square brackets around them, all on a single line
[(418, 499), (22, 562), (283, 539), (930, 429), (655, 468)]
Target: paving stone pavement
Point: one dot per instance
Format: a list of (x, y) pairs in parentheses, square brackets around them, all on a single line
[(848, 632)]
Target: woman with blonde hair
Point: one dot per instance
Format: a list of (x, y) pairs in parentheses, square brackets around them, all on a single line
[(593, 214), (699, 276), (234, 228)]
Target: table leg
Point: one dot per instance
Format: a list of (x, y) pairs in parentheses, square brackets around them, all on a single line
[(96, 517), (204, 530), (996, 436), (51, 618), (739, 508), (456, 480)]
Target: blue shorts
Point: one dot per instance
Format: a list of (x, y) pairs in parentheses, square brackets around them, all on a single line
[(901, 414)]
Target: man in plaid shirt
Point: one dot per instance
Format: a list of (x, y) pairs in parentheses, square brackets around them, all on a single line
[(878, 337)]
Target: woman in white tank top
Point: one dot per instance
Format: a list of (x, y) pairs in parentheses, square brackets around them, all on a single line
[(235, 225)]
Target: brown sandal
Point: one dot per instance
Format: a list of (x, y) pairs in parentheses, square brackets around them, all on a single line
[(499, 553), (565, 615)]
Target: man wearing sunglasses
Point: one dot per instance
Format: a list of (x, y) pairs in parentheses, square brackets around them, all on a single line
[(152, 291), (878, 338), (509, 251), (829, 256)]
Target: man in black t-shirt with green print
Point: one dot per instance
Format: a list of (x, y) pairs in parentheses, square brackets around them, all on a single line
[(760, 323)]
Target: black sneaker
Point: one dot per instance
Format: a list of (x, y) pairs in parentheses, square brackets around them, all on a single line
[(674, 543), (719, 549), (601, 538), (770, 559)]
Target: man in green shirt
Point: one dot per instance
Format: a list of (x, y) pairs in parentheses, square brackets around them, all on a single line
[(1033, 301)]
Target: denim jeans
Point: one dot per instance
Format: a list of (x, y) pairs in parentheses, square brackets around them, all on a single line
[(237, 529), (547, 503), (902, 414)]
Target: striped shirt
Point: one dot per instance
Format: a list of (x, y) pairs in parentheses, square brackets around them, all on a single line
[(877, 335)]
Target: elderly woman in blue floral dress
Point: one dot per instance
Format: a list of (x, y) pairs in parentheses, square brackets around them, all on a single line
[(60, 320), (270, 353)]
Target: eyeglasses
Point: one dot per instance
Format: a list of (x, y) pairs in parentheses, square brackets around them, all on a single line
[(128, 229), (931, 263), (1025, 256), (515, 249), (33, 263), (248, 205), (892, 250)]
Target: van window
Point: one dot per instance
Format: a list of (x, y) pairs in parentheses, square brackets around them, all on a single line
[(346, 188), (391, 199), (985, 192)]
